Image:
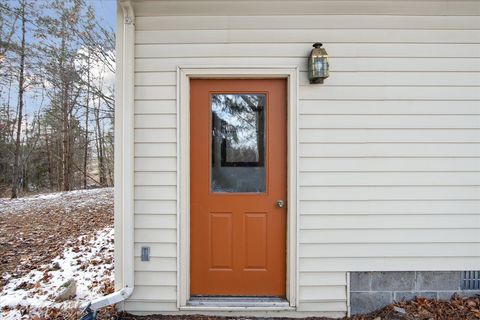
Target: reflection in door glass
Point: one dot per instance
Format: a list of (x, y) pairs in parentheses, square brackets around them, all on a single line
[(238, 142)]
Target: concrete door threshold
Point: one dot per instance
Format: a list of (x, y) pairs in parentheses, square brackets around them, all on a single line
[(228, 302)]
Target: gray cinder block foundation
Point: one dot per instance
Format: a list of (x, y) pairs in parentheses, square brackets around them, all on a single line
[(370, 291)]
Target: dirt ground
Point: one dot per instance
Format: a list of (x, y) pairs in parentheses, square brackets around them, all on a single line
[(34, 230)]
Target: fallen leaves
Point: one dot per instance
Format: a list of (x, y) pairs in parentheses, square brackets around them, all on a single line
[(38, 293), (465, 308), (34, 230), (47, 238)]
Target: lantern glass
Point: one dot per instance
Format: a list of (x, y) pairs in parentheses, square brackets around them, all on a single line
[(321, 66)]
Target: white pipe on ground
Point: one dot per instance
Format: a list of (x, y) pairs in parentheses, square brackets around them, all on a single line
[(110, 299)]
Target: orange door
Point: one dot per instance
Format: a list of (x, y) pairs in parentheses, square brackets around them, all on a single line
[(238, 173)]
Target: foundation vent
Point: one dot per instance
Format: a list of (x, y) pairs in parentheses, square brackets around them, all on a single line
[(471, 280)]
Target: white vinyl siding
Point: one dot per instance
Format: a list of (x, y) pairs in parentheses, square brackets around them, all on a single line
[(389, 157)]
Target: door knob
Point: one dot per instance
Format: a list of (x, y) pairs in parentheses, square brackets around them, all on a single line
[(280, 203)]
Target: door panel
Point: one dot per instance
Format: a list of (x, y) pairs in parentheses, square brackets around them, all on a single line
[(255, 236), (221, 241), (238, 171)]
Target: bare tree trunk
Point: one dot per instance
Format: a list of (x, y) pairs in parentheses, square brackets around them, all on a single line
[(70, 133), (9, 97), (65, 114), (85, 151), (59, 164), (25, 163), (100, 153), (65, 141), (21, 90), (9, 133), (49, 159)]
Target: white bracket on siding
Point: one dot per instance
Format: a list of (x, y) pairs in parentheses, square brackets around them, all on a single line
[(129, 16), (347, 287), (129, 20)]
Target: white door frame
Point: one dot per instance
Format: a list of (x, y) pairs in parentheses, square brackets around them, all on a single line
[(184, 74)]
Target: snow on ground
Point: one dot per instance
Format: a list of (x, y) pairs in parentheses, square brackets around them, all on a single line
[(69, 200), (34, 230), (88, 260)]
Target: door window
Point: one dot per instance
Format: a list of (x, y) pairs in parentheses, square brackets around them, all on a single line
[(238, 142)]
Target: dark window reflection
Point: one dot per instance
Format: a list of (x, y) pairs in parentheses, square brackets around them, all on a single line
[(238, 142)]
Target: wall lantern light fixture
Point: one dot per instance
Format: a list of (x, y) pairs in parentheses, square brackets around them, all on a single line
[(318, 67)]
